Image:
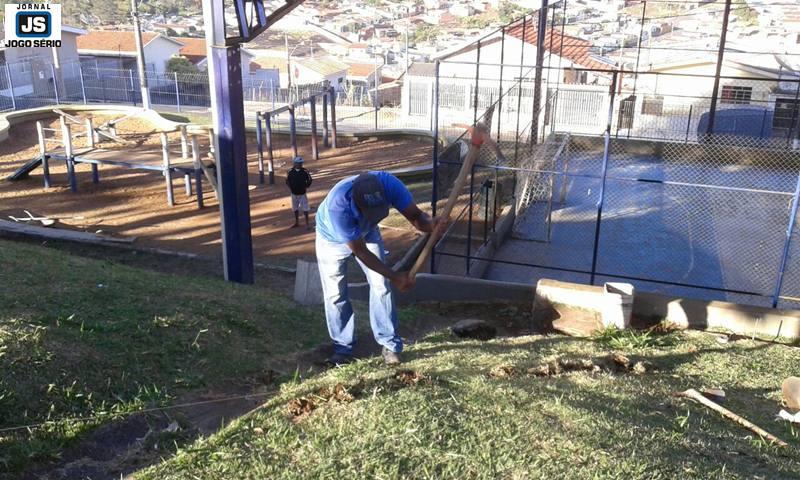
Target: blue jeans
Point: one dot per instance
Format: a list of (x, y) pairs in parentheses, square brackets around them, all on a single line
[(332, 261)]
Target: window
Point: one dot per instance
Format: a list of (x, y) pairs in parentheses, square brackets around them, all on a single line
[(737, 95)]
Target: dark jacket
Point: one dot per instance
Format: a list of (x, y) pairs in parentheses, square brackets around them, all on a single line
[(298, 181)]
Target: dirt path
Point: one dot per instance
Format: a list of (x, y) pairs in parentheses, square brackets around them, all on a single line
[(133, 203)]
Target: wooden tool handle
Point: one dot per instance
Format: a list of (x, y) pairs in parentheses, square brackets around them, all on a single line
[(698, 397), (479, 136)]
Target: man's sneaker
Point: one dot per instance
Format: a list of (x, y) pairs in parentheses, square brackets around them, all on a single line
[(339, 359), (390, 357)]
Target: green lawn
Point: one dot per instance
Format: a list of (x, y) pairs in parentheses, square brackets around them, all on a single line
[(82, 337), (474, 410)]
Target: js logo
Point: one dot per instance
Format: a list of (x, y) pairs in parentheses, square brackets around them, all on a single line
[(33, 24)]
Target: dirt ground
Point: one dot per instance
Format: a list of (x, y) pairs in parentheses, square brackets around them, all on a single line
[(132, 203)]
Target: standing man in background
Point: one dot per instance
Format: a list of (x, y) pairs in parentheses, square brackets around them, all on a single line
[(298, 179), (347, 225)]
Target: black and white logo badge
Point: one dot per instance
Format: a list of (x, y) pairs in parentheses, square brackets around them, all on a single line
[(33, 25)]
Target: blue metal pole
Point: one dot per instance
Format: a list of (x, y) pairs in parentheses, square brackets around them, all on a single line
[(435, 189), (606, 153), (230, 152), (293, 131), (787, 245)]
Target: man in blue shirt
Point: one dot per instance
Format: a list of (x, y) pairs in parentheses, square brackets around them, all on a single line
[(347, 224)]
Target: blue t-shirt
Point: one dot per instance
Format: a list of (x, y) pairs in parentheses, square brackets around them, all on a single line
[(338, 219)]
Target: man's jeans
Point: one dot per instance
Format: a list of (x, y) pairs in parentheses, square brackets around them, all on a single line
[(332, 260)]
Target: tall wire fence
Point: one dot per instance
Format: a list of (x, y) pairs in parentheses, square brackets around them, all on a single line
[(682, 184)]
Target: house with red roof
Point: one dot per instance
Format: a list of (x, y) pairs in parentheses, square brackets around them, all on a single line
[(117, 50)]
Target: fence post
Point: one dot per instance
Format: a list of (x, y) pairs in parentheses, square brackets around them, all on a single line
[(792, 124), (133, 91), (537, 82), (712, 112), (333, 117), (177, 91), (435, 189), (83, 86), (293, 131), (786, 245), (325, 141), (314, 149), (519, 94), (198, 171), (689, 123), (477, 77), (55, 83), (11, 88), (601, 195), (500, 98), (268, 139), (259, 149)]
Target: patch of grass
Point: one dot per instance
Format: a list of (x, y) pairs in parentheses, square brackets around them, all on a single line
[(630, 339), (463, 422), (85, 341)]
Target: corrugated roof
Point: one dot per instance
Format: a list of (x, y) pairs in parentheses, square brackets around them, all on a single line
[(322, 65), (572, 48), (361, 70)]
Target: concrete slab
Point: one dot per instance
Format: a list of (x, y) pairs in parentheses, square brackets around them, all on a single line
[(307, 284)]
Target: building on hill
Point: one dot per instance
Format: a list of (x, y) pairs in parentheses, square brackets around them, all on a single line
[(33, 69), (305, 70), (195, 50), (117, 50)]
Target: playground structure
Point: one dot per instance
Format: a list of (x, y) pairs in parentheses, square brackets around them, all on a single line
[(58, 144), (264, 129)]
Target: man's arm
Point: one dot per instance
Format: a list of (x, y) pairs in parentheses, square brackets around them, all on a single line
[(400, 280), (423, 222), (308, 179)]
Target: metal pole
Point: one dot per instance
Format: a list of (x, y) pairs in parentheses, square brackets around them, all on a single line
[(689, 123), (325, 140), (435, 189), (792, 125), (11, 88), (293, 131), (787, 245), (469, 216), (375, 83), (537, 82), (270, 156), (477, 78), (333, 117), (230, 147), (606, 152), (177, 91), (137, 33), (55, 83), (288, 68), (83, 86), (259, 149), (639, 50), (313, 112), (500, 98), (712, 113), (519, 88)]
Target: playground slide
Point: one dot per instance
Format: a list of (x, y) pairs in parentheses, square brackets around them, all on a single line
[(23, 171)]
